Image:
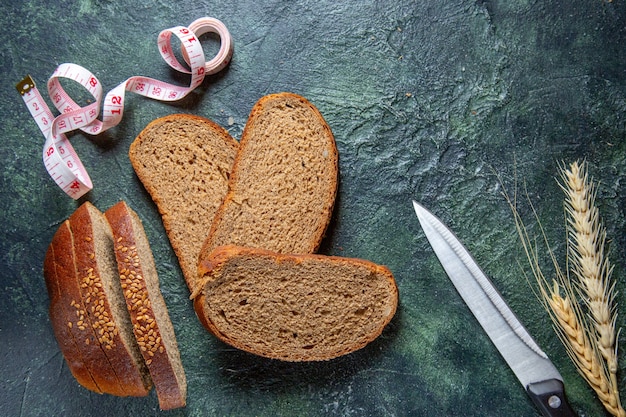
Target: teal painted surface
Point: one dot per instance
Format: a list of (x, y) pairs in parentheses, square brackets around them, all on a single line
[(429, 100)]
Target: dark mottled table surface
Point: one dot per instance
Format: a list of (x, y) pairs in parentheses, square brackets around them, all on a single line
[(448, 103)]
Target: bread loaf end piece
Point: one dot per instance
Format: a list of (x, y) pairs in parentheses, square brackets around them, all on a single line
[(184, 162), (58, 269), (284, 181), (150, 318), (104, 303), (295, 307)]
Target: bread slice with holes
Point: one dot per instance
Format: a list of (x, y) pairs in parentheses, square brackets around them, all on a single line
[(151, 323), (283, 183), (294, 307), (184, 162)]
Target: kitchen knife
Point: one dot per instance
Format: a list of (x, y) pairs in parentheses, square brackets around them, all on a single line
[(531, 365)]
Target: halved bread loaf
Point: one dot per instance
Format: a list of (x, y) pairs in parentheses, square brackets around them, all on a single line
[(294, 307), (184, 162), (283, 184), (99, 304), (150, 319)]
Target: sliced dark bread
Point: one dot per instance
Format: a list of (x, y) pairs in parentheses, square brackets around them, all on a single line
[(184, 162), (101, 305), (74, 335), (294, 307), (151, 323), (283, 183)]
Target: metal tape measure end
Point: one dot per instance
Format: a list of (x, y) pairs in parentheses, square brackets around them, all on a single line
[(25, 85)]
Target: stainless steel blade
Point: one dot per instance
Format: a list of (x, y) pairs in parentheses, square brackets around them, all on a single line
[(529, 363)]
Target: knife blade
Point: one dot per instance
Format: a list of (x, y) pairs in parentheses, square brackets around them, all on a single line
[(539, 377)]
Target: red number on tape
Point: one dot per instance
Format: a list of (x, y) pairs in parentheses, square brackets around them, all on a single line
[(72, 172)]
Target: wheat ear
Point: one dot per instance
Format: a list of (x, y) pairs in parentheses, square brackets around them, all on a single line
[(567, 317), (581, 349), (590, 267)]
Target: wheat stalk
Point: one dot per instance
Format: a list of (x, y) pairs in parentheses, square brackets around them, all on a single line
[(590, 346), (581, 349), (590, 267)]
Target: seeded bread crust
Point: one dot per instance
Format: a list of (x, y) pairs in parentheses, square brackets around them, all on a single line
[(59, 269), (283, 184), (184, 162), (101, 299), (150, 320), (294, 307)]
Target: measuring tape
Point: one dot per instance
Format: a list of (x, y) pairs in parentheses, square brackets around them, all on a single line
[(59, 157)]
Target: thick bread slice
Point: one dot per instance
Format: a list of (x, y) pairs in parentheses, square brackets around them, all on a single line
[(295, 307), (60, 274), (102, 300), (284, 180), (184, 162), (151, 322)]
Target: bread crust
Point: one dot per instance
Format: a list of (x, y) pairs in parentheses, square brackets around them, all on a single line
[(77, 317), (170, 212), (301, 242), (212, 266), (170, 385), (129, 374), (59, 266)]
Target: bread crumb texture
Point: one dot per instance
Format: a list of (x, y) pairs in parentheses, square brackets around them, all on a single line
[(284, 180), (184, 162), (298, 307)]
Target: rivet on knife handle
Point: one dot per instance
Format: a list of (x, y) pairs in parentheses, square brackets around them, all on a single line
[(549, 397)]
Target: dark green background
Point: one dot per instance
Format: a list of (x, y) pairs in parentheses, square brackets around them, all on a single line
[(439, 101)]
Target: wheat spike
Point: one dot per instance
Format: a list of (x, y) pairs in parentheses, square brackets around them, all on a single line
[(581, 349), (590, 267), (590, 346)]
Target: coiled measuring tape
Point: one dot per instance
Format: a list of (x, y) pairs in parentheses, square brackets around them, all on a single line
[(59, 157)]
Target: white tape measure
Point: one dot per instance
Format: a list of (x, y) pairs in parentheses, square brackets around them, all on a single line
[(59, 156)]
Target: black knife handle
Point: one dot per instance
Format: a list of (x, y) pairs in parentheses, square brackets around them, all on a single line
[(549, 397)]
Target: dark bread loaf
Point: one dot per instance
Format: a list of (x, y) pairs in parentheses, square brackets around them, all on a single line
[(294, 307), (283, 183), (60, 271), (151, 323), (85, 296), (184, 162)]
